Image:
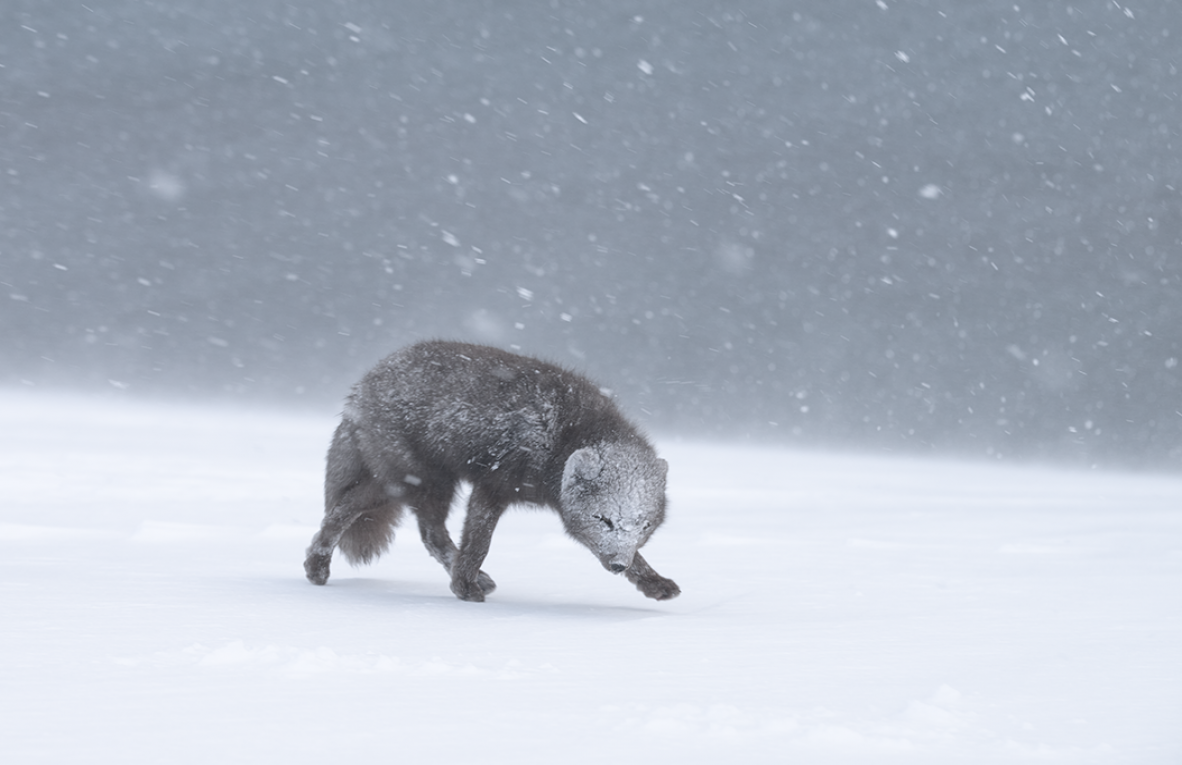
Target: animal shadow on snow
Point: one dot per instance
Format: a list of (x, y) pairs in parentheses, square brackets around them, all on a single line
[(383, 593)]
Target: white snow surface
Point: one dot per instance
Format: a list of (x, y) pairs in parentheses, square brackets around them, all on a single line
[(835, 609)]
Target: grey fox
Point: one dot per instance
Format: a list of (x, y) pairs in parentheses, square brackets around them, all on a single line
[(519, 430)]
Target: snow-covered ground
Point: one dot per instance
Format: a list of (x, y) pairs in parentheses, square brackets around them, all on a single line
[(835, 608)]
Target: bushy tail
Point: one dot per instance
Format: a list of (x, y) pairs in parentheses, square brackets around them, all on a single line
[(350, 483), (370, 535)]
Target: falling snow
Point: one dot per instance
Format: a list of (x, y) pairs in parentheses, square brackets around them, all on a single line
[(711, 209)]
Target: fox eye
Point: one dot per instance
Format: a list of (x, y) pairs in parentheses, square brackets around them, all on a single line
[(606, 522)]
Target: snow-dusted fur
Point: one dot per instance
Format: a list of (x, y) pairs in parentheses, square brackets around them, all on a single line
[(519, 430)]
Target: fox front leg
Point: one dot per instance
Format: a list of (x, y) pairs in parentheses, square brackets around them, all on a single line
[(648, 581), (468, 582), (439, 545)]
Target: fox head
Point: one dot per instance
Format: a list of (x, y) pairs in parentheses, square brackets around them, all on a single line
[(613, 499)]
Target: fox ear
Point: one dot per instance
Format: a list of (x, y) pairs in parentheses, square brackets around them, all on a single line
[(582, 465)]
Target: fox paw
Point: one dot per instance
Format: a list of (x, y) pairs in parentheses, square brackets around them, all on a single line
[(316, 567), (659, 588), (469, 591)]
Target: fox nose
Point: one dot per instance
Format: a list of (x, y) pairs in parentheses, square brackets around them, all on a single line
[(616, 568)]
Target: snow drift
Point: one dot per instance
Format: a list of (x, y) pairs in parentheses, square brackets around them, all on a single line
[(835, 608)]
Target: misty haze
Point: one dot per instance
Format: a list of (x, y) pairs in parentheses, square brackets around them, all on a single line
[(920, 227)]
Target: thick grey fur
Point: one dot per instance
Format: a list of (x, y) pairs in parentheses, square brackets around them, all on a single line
[(518, 430)]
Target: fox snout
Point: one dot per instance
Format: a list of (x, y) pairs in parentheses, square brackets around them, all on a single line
[(617, 564)]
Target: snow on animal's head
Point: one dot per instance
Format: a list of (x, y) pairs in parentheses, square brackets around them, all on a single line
[(613, 499)]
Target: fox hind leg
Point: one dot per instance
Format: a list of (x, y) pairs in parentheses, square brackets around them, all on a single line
[(361, 523), (360, 514)]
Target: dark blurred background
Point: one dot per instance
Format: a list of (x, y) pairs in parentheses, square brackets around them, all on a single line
[(910, 226)]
